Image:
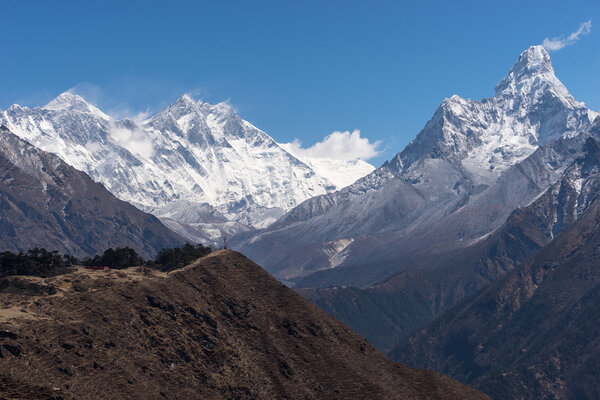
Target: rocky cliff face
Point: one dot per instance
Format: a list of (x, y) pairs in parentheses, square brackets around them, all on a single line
[(219, 328), (47, 203), (532, 334), (386, 312)]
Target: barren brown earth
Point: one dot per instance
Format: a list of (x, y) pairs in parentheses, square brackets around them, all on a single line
[(220, 328)]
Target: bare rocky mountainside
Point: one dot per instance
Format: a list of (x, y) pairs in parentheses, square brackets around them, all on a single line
[(470, 167), (44, 202), (386, 312), (535, 332), (219, 328)]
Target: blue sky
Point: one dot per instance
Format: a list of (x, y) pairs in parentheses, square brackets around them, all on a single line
[(296, 69)]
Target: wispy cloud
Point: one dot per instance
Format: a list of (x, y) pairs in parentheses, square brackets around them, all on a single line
[(198, 93), (35, 99), (561, 42), (118, 110), (88, 91), (132, 137), (129, 135), (337, 146)]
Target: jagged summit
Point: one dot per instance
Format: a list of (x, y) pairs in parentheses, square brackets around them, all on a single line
[(191, 153), (459, 161), (531, 107), (186, 102), (185, 98), (73, 102), (183, 104), (533, 60), (532, 77)]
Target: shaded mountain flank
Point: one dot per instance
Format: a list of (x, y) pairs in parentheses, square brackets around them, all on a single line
[(46, 203), (220, 328), (386, 312), (535, 333)]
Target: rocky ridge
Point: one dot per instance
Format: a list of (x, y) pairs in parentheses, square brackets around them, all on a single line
[(47, 203)]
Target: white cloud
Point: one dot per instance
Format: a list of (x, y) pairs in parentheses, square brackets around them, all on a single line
[(140, 117), (558, 43), (336, 146), (135, 140), (93, 146), (198, 92), (121, 112)]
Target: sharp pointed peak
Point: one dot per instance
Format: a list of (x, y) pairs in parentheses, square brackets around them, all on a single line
[(184, 102), (534, 59), (186, 98), (183, 105), (532, 71), (63, 100), (454, 99), (73, 102)]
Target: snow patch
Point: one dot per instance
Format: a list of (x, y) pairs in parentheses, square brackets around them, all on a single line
[(335, 251)]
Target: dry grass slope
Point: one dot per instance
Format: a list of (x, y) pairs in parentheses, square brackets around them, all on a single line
[(219, 328)]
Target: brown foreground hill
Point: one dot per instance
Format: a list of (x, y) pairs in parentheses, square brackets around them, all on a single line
[(219, 328)]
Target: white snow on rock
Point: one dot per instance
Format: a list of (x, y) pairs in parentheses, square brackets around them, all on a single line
[(531, 108), (189, 155), (472, 164)]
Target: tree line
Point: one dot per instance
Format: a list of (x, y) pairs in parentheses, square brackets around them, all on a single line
[(45, 263)]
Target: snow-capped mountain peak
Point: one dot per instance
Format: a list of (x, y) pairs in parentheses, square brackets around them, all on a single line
[(472, 164), (185, 98), (532, 77), (191, 154), (73, 102), (484, 138), (533, 60), (186, 105)]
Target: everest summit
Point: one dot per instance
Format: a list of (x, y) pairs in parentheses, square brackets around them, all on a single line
[(201, 168)]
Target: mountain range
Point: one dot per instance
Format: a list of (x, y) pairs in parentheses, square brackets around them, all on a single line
[(199, 167), (472, 164), (386, 312), (471, 252), (45, 202), (513, 313)]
